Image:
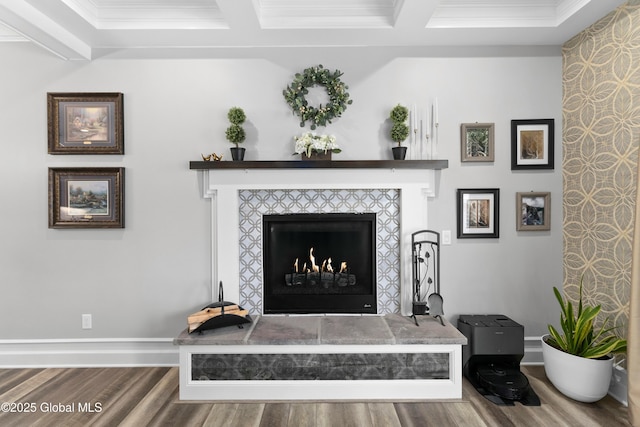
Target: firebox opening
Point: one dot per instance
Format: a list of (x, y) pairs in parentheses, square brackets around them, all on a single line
[(319, 263)]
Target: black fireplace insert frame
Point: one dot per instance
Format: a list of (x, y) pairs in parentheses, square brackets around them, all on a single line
[(361, 299)]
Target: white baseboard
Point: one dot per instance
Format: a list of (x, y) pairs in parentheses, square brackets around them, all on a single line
[(108, 352), (532, 351), (619, 386), (84, 353)]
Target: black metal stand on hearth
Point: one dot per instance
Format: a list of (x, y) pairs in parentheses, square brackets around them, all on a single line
[(425, 254)]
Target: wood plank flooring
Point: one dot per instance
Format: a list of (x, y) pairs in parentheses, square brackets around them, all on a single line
[(149, 397)]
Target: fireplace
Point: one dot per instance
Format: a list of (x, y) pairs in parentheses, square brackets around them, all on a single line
[(242, 193), (319, 263)]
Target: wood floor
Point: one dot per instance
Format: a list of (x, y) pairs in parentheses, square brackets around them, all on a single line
[(149, 397)]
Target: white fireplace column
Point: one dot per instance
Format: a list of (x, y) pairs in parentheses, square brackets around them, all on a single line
[(222, 186)]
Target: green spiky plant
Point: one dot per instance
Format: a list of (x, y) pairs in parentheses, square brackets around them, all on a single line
[(579, 336)]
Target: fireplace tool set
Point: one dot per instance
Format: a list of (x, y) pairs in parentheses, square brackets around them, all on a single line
[(425, 254)]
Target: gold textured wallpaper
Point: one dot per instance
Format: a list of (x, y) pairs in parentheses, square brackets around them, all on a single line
[(601, 134)]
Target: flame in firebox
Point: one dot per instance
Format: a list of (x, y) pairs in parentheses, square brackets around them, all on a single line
[(329, 268), (314, 268)]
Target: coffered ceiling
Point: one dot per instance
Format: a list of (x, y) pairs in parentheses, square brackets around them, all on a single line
[(88, 29)]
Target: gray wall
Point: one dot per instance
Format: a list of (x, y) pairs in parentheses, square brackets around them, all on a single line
[(142, 281)]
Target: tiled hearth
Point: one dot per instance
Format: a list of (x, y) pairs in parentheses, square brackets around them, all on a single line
[(323, 357)]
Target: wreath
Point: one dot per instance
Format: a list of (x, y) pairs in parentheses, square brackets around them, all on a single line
[(295, 94)]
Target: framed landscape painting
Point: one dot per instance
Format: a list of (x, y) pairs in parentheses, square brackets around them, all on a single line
[(85, 123), (478, 213), (532, 144), (86, 197)]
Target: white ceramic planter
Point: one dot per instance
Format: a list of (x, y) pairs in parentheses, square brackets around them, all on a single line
[(585, 380)]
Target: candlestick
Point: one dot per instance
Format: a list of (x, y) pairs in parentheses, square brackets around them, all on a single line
[(412, 120), (436, 124), (436, 118), (424, 132), (416, 122), (427, 123)]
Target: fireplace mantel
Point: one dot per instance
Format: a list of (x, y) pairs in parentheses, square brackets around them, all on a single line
[(322, 164), (222, 182)]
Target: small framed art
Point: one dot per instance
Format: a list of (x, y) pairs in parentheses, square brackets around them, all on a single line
[(533, 211), (532, 144), (86, 197), (85, 123), (478, 213), (476, 142)]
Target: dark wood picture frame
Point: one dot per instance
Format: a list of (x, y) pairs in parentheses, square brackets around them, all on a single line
[(86, 197), (533, 211), (532, 144), (478, 213), (477, 142), (85, 123)]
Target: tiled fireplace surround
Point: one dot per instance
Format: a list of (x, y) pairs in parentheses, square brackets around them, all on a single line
[(399, 197)]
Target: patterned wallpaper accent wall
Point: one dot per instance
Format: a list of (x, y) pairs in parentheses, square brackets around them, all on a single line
[(601, 133)]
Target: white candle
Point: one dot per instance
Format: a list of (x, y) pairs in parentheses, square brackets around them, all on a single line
[(427, 127), (436, 119)]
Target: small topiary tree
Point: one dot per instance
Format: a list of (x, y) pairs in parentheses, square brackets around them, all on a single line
[(399, 129), (235, 133)]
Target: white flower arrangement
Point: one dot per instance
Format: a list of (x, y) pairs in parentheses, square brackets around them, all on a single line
[(310, 142)]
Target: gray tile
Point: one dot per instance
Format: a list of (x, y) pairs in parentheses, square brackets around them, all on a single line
[(429, 331), (354, 330), (337, 330), (285, 330)]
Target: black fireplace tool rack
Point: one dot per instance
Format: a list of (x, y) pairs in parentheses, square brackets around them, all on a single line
[(425, 255)]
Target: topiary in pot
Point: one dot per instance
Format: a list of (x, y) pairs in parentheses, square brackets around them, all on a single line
[(399, 130), (235, 133)]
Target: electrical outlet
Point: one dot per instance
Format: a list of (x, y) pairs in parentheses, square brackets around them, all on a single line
[(86, 321), (446, 237)]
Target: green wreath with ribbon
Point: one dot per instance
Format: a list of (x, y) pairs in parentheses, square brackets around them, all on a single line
[(295, 94)]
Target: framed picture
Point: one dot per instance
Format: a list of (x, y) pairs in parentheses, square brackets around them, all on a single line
[(476, 142), (86, 197), (85, 123), (532, 144), (533, 211), (478, 213)]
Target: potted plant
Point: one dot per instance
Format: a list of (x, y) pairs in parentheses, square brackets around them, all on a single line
[(316, 147), (578, 360), (235, 133), (399, 130)]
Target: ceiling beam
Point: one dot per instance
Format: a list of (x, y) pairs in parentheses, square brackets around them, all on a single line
[(240, 16), (32, 24), (414, 14)]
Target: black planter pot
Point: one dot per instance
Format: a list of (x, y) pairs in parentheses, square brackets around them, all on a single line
[(399, 153), (237, 154)]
